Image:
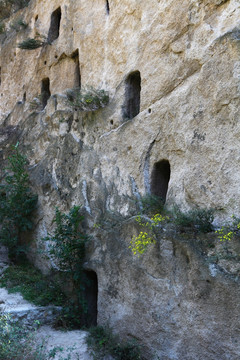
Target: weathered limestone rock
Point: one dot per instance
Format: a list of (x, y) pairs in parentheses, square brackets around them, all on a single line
[(181, 305), (175, 300)]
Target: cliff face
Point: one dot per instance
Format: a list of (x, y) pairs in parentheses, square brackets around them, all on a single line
[(171, 128), (188, 59)]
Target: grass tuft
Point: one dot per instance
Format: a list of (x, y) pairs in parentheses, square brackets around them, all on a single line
[(33, 285)]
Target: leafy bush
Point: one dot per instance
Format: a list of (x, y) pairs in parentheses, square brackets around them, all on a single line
[(152, 204), (103, 343), (16, 203), (88, 99), (67, 247), (198, 219), (67, 244)]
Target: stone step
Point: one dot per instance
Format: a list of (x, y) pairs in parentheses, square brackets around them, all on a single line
[(29, 314)]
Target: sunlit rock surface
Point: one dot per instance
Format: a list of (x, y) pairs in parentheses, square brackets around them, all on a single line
[(187, 113)]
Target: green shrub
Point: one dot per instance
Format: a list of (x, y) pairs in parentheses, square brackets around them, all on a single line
[(32, 44), (67, 244), (102, 341), (16, 203), (67, 247), (198, 219), (152, 204), (88, 99)]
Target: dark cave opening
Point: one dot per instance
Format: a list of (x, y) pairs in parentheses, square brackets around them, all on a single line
[(160, 178), (53, 33), (45, 91), (77, 75), (107, 7), (91, 297), (131, 107)]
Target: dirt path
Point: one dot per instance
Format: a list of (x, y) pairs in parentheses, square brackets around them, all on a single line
[(71, 345)]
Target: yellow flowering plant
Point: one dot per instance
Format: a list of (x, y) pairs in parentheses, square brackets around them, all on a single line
[(140, 243), (226, 233)]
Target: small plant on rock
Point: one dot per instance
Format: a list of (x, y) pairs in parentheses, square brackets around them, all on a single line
[(33, 43), (200, 220), (152, 204), (88, 99)]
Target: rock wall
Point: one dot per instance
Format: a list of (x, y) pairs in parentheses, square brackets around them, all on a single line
[(188, 59)]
